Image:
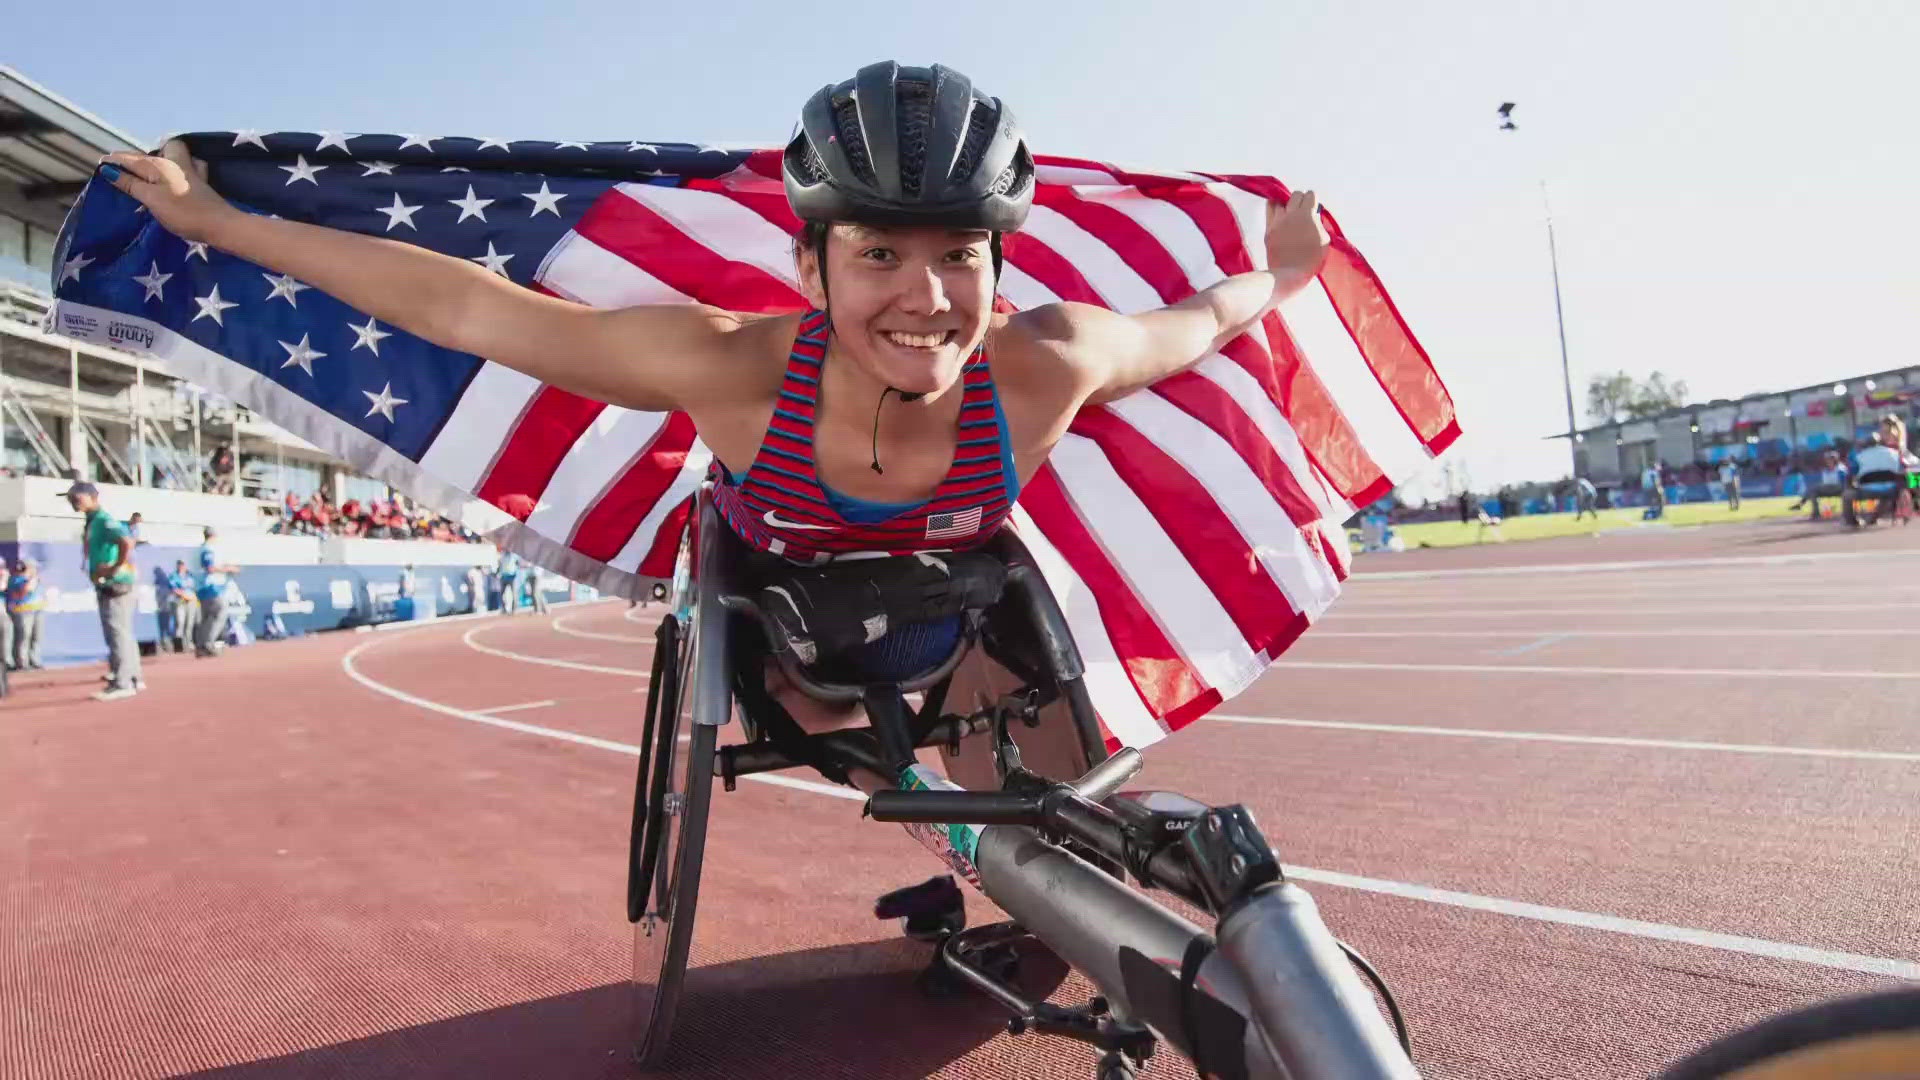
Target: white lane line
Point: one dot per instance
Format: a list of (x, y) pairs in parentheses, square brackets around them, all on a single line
[(1518, 909), (1773, 950), (516, 708), (560, 625), (571, 665), (1645, 564), (1538, 643), (442, 620), (1338, 612), (1702, 632), (1545, 669), (353, 672), (1586, 740)]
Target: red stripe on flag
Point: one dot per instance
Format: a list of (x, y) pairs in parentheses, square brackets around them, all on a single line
[(1136, 246), (549, 427), (1325, 434), (1211, 542), (1208, 402), (666, 543), (630, 229), (610, 522), (1161, 676), (1046, 266)]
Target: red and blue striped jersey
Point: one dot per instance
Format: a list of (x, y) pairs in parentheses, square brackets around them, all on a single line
[(780, 505)]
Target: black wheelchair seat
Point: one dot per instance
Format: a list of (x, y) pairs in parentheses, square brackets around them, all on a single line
[(882, 619)]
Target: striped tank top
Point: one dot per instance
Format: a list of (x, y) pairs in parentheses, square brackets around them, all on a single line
[(780, 505)]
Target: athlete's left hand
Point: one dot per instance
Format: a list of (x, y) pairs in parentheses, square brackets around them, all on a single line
[(1296, 241)]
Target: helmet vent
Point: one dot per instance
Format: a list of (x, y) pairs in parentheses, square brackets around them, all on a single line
[(980, 124), (846, 117), (915, 109)]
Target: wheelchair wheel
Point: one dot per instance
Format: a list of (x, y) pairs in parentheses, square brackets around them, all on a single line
[(1871, 1037), (671, 833)]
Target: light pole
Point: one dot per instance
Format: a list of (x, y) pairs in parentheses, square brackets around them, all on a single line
[(1559, 312)]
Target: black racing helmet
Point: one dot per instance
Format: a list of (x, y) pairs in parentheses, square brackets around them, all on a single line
[(909, 146)]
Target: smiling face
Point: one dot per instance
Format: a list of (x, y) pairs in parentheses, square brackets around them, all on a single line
[(908, 305)]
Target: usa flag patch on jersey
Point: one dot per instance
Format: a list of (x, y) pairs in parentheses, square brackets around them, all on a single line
[(948, 526)]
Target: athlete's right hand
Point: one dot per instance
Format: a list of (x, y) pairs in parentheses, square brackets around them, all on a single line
[(174, 189)]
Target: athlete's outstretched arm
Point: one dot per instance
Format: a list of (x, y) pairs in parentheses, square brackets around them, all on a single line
[(655, 357), (1113, 355)]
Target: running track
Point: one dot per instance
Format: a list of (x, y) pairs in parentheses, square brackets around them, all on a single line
[(1582, 820)]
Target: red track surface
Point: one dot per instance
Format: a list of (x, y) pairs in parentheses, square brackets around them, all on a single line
[(264, 867)]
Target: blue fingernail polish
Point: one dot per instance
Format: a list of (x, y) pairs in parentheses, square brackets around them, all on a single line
[(110, 171)]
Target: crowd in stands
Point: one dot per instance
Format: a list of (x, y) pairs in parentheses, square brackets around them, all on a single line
[(373, 520)]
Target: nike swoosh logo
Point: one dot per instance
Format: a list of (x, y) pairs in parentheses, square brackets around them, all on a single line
[(774, 519)]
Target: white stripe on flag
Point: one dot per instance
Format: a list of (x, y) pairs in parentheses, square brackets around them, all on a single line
[(1022, 290), (1350, 379), (1175, 231), (581, 270), (1113, 693), (684, 484), (1158, 573), (722, 226), (471, 438), (1071, 175), (595, 460), (1245, 389), (1117, 284), (1275, 538)]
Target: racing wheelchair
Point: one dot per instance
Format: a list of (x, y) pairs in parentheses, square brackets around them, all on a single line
[(1075, 861), (1881, 494)]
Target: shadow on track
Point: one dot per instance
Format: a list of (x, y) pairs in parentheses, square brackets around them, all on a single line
[(844, 1010)]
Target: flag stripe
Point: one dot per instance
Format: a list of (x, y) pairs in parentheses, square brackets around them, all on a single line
[(614, 517), (467, 445), (631, 229), (540, 441)]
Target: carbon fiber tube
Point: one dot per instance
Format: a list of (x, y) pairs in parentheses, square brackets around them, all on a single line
[(954, 807)]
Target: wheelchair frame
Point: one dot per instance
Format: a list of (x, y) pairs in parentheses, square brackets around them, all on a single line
[(1271, 993)]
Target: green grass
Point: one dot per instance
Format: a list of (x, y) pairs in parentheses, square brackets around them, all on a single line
[(1546, 526)]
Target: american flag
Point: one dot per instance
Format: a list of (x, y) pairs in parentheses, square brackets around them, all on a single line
[(949, 526), (1192, 530)]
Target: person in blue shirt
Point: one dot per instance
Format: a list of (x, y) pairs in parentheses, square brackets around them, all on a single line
[(211, 590), (509, 573), (183, 606), (25, 609)]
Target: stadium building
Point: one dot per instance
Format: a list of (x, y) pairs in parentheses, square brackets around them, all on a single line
[(181, 458)]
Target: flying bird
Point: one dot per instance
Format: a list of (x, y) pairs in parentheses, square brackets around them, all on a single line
[(1506, 117)]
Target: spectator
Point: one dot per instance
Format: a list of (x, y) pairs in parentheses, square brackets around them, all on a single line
[(509, 572), (183, 607), (1650, 483), (110, 567), (134, 521), (1584, 497), (1730, 479), (221, 465), (212, 591), (25, 609)]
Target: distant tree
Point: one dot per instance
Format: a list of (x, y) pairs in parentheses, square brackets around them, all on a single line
[(1619, 396)]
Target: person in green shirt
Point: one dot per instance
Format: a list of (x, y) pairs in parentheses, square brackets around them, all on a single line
[(110, 566)]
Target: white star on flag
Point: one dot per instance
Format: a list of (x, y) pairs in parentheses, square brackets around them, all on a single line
[(300, 170), (211, 306), (544, 199), (456, 168), (249, 135), (284, 285), (564, 145), (197, 247), (492, 260), (73, 266), (368, 336), (384, 168), (152, 282), (334, 138), (504, 144), (423, 141), (383, 402), (471, 206), (647, 146), (399, 213), (302, 355)]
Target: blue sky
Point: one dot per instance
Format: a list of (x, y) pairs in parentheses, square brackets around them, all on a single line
[(1732, 183)]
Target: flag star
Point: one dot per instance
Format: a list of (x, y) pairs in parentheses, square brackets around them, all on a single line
[(471, 206), (456, 168), (504, 144), (564, 145), (399, 214), (633, 147), (706, 149), (302, 355), (153, 282), (211, 306), (368, 336), (72, 268), (383, 402), (492, 260), (197, 247), (424, 141), (385, 168), (334, 138), (249, 135), (544, 199), (300, 170), (284, 285)]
